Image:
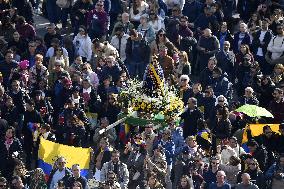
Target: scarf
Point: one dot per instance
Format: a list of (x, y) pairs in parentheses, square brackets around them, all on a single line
[(8, 142)]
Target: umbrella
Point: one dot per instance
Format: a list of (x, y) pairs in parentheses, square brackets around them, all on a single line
[(254, 111)]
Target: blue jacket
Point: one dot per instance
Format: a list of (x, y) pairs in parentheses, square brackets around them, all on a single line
[(221, 86), (169, 147), (177, 137), (150, 33), (246, 40), (192, 10)]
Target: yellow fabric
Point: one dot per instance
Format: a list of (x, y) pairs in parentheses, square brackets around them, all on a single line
[(256, 130), (49, 151)]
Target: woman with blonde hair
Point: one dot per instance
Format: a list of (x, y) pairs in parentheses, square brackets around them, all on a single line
[(184, 67), (278, 74)]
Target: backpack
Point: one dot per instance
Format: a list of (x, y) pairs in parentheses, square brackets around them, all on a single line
[(63, 3)]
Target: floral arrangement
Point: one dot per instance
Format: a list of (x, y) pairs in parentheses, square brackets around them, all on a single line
[(151, 96)]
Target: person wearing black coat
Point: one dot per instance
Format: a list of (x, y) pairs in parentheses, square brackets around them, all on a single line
[(31, 120), (205, 77), (76, 177), (258, 152), (257, 176), (222, 128), (208, 102), (207, 47), (190, 117), (226, 60), (10, 148), (259, 46)]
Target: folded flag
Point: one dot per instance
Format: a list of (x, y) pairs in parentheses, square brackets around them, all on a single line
[(32, 126), (50, 151)]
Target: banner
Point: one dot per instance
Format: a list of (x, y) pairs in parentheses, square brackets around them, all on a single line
[(257, 129), (49, 151)]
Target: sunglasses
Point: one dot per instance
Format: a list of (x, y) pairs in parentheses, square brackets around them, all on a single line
[(220, 100), (81, 30), (215, 163)]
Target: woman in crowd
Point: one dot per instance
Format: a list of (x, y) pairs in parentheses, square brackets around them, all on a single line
[(278, 74), (77, 65), (244, 52), (89, 74), (58, 56), (257, 177), (153, 182), (83, 44), (185, 183), (155, 21), (184, 67), (154, 6), (160, 42), (10, 148)]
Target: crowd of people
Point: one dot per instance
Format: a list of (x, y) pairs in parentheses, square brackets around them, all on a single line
[(64, 86)]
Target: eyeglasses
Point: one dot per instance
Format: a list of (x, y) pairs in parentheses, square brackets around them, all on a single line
[(57, 65), (215, 163), (62, 162), (162, 34), (183, 80), (31, 45), (183, 21), (3, 185), (99, 5)]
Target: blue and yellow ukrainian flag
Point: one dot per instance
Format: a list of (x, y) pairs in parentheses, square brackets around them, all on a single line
[(50, 151)]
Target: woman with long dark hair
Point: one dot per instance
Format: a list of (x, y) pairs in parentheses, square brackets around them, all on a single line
[(160, 42), (10, 148)]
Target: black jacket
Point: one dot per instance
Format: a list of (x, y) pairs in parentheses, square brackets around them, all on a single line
[(256, 42), (190, 122), (222, 129)]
